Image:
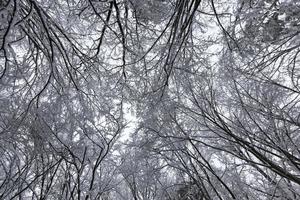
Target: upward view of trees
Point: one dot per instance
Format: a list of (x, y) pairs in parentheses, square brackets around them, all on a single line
[(150, 99)]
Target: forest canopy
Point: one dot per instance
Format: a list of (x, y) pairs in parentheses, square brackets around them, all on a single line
[(150, 99)]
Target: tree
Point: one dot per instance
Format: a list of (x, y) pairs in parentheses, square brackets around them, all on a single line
[(213, 86)]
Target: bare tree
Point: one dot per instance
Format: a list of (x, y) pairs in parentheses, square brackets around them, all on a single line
[(213, 84)]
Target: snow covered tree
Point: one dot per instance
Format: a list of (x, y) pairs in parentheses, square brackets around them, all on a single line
[(213, 86)]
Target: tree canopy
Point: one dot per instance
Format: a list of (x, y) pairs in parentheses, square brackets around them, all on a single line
[(150, 99)]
